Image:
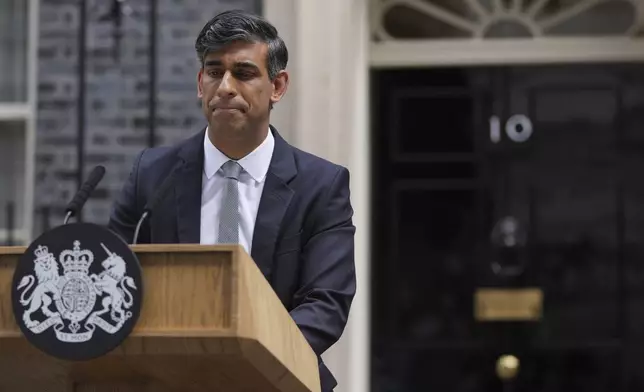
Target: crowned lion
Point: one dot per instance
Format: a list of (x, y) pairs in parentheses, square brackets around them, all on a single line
[(47, 276)]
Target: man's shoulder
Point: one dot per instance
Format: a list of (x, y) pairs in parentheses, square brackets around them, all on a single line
[(311, 164), (158, 158), (152, 155), (315, 172)]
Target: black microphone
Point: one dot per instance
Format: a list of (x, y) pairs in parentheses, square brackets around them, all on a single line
[(77, 203), (156, 199)]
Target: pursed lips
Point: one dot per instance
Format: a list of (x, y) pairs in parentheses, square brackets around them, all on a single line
[(227, 109), (225, 105)]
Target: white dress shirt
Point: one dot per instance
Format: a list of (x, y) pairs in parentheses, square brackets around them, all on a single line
[(251, 184)]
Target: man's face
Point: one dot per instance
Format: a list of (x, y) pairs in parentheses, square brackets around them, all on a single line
[(235, 88)]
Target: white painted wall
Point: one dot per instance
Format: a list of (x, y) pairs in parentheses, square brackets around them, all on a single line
[(325, 112)]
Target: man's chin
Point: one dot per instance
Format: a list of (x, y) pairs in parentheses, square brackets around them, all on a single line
[(227, 127)]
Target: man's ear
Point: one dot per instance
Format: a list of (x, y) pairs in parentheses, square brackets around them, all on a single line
[(280, 85), (199, 78)]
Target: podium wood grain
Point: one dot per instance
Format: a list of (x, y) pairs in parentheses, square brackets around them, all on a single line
[(209, 322)]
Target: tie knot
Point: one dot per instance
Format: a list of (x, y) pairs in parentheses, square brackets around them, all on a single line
[(231, 169)]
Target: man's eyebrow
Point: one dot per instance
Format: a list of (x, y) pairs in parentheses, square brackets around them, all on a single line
[(246, 64), (212, 63), (240, 64)]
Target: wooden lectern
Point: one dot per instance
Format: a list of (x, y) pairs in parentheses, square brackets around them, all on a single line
[(209, 322)]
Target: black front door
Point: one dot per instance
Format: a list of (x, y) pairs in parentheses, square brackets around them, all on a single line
[(507, 178)]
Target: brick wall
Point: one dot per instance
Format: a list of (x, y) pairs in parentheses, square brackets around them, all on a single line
[(116, 110)]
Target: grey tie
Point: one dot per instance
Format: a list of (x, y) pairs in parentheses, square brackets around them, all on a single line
[(229, 216)]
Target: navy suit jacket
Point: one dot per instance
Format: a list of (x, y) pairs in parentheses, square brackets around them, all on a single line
[(303, 240)]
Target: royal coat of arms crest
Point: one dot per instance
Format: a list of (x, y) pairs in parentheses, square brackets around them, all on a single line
[(76, 302)]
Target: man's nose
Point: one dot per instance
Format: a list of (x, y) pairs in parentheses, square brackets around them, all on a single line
[(227, 86)]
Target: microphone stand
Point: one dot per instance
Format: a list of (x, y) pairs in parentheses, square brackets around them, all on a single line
[(76, 205), (158, 196), (69, 215), (138, 226)]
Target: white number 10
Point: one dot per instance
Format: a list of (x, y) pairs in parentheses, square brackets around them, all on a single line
[(518, 128)]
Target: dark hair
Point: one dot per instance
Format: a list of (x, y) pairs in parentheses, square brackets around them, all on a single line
[(237, 25)]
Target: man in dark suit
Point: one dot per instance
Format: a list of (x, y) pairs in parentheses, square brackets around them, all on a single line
[(239, 181)]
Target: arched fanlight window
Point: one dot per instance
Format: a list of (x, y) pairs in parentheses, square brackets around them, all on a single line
[(484, 19), (476, 32)]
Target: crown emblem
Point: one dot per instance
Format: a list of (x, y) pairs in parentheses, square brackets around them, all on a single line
[(42, 253), (76, 260)]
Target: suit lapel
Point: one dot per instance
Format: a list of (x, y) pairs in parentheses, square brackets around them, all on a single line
[(276, 197), (188, 190)]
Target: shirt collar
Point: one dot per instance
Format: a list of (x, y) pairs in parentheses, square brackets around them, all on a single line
[(255, 164)]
